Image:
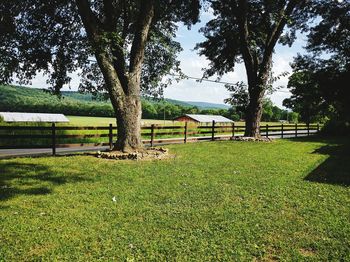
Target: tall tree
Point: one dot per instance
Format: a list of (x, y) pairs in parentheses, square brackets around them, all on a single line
[(320, 80), (239, 100), (248, 31), (306, 98), (131, 42)]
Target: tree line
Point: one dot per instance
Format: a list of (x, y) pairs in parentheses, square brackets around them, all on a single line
[(320, 83), (23, 99)]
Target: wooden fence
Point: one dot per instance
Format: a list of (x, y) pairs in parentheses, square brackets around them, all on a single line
[(152, 135)]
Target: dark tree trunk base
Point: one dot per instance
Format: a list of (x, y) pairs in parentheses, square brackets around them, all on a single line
[(252, 128), (253, 116)]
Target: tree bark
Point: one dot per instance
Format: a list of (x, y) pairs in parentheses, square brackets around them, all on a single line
[(256, 87), (258, 70), (254, 113), (123, 85), (129, 125)]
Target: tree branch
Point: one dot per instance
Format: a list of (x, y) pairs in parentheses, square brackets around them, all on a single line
[(111, 15), (120, 64), (126, 20), (111, 24), (90, 21), (276, 32), (140, 36), (94, 33), (250, 59)]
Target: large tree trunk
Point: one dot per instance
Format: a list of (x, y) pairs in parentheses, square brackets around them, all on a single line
[(122, 83), (259, 68), (255, 107), (253, 116), (129, 125)]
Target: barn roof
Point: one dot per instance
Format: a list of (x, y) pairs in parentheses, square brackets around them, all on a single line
[(33, 117), (209, 118)]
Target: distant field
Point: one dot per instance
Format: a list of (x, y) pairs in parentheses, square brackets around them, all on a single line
[(105, 121)]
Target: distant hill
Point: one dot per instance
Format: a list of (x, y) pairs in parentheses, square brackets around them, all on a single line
[(25, 99), (200, 105), (74, 95), (206, 105)]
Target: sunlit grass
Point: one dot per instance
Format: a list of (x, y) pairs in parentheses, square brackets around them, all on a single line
[(232, 201)]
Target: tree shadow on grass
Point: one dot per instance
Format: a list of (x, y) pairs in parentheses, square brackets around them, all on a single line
[(336, 168), (31, 179)]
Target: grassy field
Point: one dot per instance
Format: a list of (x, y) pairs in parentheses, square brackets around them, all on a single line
[(219, 201), (105, 121)]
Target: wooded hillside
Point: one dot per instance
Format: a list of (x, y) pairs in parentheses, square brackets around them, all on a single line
[(24, 99)]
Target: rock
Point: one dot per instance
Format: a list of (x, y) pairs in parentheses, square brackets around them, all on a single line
[(147, 154), (252, 139)]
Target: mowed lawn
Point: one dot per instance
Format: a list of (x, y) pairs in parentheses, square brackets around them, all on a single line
[(218, 201)]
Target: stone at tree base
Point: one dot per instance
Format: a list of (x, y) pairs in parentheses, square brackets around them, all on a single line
[(144, 154), (252, 139)]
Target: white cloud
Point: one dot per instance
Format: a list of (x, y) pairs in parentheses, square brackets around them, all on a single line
[(192, 90), (192, 64), (40, 81)]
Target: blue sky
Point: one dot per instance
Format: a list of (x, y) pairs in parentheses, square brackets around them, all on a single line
[(192, 64)]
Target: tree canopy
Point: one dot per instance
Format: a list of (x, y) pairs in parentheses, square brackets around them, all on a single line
[(320, 82), (49, 37), (248, 31), (122, 47)]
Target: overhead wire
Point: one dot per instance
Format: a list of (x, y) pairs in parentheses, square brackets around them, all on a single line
[(216, 81), (198, 79)]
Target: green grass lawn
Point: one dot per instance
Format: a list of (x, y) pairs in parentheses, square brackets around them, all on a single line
[(218, 201)]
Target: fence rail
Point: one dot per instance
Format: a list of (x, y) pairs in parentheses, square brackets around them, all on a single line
[(57, 137)]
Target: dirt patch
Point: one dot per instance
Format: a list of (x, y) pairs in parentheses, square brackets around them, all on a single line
[(307, 252), (144, 154)]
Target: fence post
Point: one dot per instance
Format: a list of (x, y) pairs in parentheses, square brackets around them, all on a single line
[(185, 140), (53, 133), (282, 131), (233, 130), (110, 135), (308, 129), (213, 131), (267, 130), (318, 127), (152, 135), (296, 129)]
